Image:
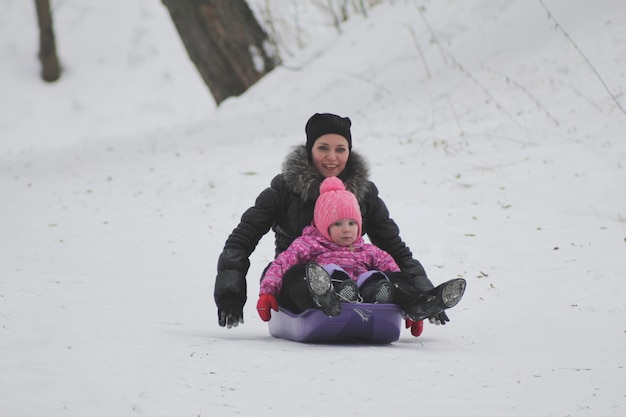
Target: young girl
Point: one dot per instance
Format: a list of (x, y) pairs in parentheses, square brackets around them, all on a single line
[(296, 279)]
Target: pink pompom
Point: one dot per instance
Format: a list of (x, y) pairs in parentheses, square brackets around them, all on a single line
[(335, 203), (332, 184)]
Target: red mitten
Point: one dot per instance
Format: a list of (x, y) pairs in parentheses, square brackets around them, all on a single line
[(416, 326), (265, 305)]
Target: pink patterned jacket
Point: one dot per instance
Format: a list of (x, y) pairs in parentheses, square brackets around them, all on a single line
[(313, 247)]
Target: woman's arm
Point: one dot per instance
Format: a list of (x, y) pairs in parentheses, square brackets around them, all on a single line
[(233, 263), (383, 232)]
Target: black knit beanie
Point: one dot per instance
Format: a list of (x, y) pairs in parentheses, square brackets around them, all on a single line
[(323, 123)]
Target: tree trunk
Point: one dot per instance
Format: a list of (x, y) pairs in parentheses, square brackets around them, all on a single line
[(51, 70), (225, 42)]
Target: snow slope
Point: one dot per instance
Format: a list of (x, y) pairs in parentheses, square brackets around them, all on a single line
[(495, 139)]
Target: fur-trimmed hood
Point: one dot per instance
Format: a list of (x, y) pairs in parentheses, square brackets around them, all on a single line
[(303, 179)]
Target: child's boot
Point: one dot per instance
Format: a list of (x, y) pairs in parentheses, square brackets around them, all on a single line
[(377, 289), (347, 290)]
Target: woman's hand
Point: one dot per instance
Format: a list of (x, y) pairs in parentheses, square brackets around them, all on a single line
[(440, 318), (230, 312)]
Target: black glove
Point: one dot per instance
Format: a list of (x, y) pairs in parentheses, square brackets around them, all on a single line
[(439, 318), (230, 311)]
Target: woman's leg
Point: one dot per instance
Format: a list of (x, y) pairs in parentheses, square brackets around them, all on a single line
[(420, 303), (294, 294), (309, 286)]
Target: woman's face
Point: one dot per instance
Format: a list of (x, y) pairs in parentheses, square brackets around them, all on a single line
[(330, 154)]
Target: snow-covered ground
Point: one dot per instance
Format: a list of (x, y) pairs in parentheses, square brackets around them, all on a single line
[(495, 139)]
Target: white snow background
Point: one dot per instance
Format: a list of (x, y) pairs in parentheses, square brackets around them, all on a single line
[(495, 139)]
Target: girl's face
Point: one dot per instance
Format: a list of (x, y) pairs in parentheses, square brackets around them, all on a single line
[(344, 232), (330, 154)]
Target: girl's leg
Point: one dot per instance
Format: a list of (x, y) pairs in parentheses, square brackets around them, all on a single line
[(375, 287), (345, 287)]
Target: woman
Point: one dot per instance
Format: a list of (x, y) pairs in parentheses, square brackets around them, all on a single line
[(286, 207)]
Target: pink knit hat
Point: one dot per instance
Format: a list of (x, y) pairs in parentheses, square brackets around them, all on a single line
[(335, 203)]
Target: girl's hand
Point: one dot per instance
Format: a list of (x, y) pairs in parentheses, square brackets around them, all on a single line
[(416, 326), (265, 305)]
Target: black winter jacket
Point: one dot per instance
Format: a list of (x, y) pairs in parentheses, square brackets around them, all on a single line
[(287, 207)]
